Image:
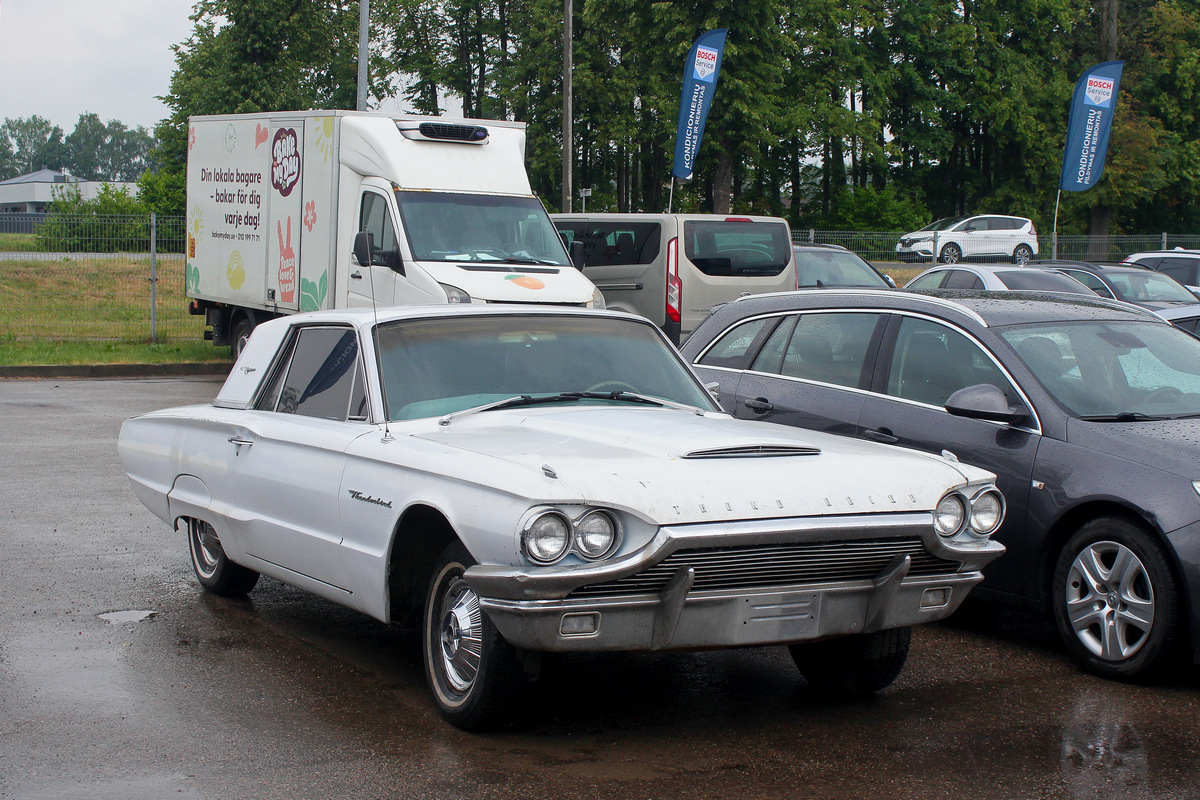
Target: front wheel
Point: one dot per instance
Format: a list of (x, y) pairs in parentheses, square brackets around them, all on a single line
[(1022, 254), (478, 679), (861, 663), (1116, 601), (215, 572), (951, 254)]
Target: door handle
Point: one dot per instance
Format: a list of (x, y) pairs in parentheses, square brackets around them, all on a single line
[(356, 275), (759, 405), (882, 435), (238, 443)]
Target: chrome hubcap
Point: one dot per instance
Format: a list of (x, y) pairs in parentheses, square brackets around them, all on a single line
[(1110, 601), (461, 635), (207, 547)]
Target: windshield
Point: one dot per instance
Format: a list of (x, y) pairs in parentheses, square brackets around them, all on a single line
[(444, 226), (1037, 281), (835, 268), (1147, 286), (943, 224), (434, 367), (1113, 369)]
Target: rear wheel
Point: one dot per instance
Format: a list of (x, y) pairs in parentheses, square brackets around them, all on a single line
[(241, 335), (951, 254), (861, 663), (215, 572), (478, 679), (1116, 601), (1022, 254)]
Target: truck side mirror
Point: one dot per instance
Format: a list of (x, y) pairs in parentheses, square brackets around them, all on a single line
[(577, 254), (364, 245)]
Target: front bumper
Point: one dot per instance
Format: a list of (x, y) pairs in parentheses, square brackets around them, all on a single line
[(737, 584), (915, 252)]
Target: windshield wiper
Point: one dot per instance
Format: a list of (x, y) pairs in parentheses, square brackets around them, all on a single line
[(564, 397), (1123, 416), (530, 260)]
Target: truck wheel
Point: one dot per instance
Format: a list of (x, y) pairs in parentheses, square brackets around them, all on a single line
[(1116, 601), (215, 572), (861, 663), (477, 678), (241, 335)]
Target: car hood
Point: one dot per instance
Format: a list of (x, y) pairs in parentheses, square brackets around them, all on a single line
[(1171, 445), (673, 466)]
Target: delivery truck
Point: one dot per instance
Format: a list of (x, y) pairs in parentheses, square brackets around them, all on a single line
[(304, 210)]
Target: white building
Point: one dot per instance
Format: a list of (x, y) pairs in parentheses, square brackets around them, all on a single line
[(30, 194)]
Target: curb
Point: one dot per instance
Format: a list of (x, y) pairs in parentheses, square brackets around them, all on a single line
[(115, 370)]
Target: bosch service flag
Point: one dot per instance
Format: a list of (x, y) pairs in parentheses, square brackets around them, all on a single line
[(1092, 108), (700, 73)]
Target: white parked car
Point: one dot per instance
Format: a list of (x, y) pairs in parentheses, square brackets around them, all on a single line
[(990, 236), (522, 480)]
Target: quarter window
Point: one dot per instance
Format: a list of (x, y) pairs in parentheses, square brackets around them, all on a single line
[(322, 378), (731, 349)]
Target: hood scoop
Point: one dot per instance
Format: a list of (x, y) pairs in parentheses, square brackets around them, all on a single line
[(756, 451)]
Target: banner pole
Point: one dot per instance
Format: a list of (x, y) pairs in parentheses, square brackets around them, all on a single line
[(671, 195), (1054, 235)]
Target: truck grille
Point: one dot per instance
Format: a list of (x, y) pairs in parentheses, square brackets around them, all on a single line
[(765, 566)]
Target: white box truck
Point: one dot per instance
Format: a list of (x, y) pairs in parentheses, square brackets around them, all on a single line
[(304, 210)]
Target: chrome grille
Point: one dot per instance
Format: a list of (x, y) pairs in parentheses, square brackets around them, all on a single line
[(765, 566)]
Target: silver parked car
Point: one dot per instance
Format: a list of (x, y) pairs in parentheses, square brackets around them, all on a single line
[(523, 480), (997, 278)]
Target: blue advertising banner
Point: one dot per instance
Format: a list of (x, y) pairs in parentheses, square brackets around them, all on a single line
[(1089, 125), (700, 73)]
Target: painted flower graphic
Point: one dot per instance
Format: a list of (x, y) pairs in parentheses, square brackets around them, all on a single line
[(191, 138), (310, 215)]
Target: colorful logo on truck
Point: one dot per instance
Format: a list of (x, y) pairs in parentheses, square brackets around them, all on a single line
[(285, 161), (287, 264), (525, 281)]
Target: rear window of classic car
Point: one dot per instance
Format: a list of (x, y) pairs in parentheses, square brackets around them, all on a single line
[(433, 367)]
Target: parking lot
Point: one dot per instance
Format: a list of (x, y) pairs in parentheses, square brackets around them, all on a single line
[(119, 678)]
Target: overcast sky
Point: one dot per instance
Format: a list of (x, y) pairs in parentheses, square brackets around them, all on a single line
[(63, 58)]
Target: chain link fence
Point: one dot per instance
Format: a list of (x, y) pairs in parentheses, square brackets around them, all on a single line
[(94, 278), (121, 278)]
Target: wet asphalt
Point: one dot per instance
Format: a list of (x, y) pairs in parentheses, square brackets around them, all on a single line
[(119, 678)]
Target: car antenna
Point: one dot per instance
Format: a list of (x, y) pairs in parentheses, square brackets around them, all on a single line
[(387, 433)]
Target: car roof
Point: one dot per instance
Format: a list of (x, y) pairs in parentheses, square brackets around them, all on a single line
[(989, 267), (982, 308), (362, 317), (1178, 251), (1090, 266)]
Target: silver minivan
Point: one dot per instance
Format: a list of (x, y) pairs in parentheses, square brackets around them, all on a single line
[(673, 268)]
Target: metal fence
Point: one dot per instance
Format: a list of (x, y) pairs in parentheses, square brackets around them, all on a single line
[(880, 246), (94, 278)]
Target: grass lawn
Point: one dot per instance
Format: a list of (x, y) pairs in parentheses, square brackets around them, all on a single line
[(23, 354)]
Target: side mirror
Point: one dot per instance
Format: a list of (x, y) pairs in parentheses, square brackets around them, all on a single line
[(364, 245), (985, 401), (577, 254)]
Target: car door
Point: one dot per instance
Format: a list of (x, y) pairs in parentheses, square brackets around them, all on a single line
[(922, 362), (812, 371), (290, 456), (374, 284), (972, 236)]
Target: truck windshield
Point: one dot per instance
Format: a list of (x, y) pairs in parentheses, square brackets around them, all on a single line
[(445, 226)]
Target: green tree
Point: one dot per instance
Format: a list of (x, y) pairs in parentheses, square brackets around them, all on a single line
[(36, 143)]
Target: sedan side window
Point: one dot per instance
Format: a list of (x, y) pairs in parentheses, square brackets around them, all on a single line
[(931, 281), (961, 279), (323, 377), (931, 362), (731, 349), (829, 348)]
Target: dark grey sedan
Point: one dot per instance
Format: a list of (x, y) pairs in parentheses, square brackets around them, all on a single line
[(1087, 409)]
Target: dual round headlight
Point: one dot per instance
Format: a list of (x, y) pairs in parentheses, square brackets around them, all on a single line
[(551, 534), (980, 514)]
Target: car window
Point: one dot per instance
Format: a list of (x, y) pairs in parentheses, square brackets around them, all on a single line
[(1103, 369), (834, 268), (1092, 282), (972, 222), (961, 279), (1038, 281), (1152, 262), (610, 243), (770, 357), (737, 248), (829, 348), (1147, 286), (321, 378), (730, 350), (931, 361), (930, 280), (1181, 269)]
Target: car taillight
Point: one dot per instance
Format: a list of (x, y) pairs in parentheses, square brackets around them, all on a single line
[(738, 219), (674, 285), (1032, 229)]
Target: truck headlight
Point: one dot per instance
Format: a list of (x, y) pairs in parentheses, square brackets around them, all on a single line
[(547, 537), (455, 294), (595, 534)]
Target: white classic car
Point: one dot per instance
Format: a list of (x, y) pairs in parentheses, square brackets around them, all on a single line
[(523, 480)]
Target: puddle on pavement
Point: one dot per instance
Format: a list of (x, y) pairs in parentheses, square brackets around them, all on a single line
[(117, 617)]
